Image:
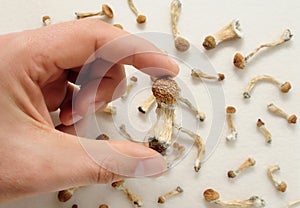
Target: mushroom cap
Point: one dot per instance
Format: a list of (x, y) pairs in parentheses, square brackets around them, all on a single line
[(281, 187), (117, 183), (239, 61), (211, 195), (292, 119), (221, 76), (181, 44), (102, 137), (107, 11), (64, 195), (230, 109), (209, 42), (45, 18), (165, 90), (118, 26), (134, 78), (259, 123), (74, 206), (103, 206), (231, 174), (161, 200), (285, 87), (141, 19)]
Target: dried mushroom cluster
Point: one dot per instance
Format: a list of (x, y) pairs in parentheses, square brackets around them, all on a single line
[(166, 94)]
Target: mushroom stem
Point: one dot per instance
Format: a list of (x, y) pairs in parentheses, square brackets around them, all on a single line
[(248, 163), (181, 44), (146, 105), (279, 185), (261, 126), (285, 87), (132, 81), (279, 112), (197, 73), (199, 143), (199, 114), (293, 203), (162, 199)]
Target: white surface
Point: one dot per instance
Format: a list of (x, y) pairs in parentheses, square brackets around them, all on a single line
[(261, 21)]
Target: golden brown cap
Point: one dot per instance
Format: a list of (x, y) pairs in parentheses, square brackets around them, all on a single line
[(282, 186), (209, 42), (239, 61), (134, 78), (259, 123), (107, 11), (141, 19), (221, 77), (292, 119), (45, 18), (230, 109), (285, 87), (64, 195), (161, 200), (117, 183), (103, 206), (165, 90), (231, 174), (211, 195)]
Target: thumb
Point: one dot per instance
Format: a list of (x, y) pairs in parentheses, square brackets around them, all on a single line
[(79, 161)]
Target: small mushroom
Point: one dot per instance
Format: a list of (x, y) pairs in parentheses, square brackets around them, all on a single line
[(240, 61), (213, 196), (67, 194), (229, 32), (140, 18), (162, 199), (261, 126), (106, 11), (198, 74), (135, 200), (248, 163), (230, 110), (46, 20), (279, 112), (132, 81), (284, 87), (279, 185), (181, 44)]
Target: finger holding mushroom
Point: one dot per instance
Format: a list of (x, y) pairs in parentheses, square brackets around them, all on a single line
[(181, 44), (240, 61), (279, 185), (283, 87), (106, 11), (281, 113), (229, 32)]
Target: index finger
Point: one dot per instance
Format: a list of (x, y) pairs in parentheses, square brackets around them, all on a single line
[(71, 44)]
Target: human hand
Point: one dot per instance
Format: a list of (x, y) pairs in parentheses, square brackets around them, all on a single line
[(36, 66)]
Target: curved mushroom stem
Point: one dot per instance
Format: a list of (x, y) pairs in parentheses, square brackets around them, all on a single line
[(279, 185), (285, 87), (199, 143)]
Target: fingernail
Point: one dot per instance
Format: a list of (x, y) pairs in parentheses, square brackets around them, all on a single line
[(150, 167)]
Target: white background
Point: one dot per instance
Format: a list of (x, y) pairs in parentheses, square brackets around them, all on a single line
[(261, 21)]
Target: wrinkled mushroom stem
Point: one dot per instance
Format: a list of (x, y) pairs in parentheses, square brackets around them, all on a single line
[(279, 185), (181, 44), (285, 87), (230, 110), (199, 113), (229, 32)]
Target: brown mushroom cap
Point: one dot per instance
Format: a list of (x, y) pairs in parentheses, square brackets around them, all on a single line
[(230, 109), (209, 42), (231, 174), (64, 195), (141, 19), (117, 183), (103, 206), (181, 44), (45, 18), (165, 90), (259, 123), (211, 195), (221, 76), (285, 87), (281, 187), (292, 119), (107, 11), (239, 61), (161, 200)]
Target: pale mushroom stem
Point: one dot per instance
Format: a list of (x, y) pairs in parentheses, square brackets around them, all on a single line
[(260, 78), (175, 12), (88, 14), (293, 203), (133, 8), (286, 36), (199, 114)]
